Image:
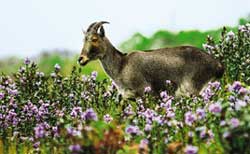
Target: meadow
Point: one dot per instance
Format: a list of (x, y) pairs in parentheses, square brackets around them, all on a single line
[(61, 112)]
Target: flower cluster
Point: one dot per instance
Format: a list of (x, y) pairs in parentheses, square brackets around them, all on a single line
[(233, 50)]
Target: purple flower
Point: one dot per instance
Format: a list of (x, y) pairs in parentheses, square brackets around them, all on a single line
[(191, 149), (210, 90), (75, 148), (166, 105), (243, 91), (158, 119), (1, 95), (206, 133), (76, 111), (230, 34), (149, 114), (210, 134), (189, 118), (215, 108), (223, 123), (163, 94), (84, 78), (73, 132), (2, 87), (128, 110), (94, 75), (234, 122), (27, 61), (203, 133), (112, 87), (12, 118), (143, 144), (200, 113), (55, 131), (57, 67), (148, 127), (36, 145), (147, 89), (207, 47), (168, 82), (107, 118), (90, 114), (215, 85), (207, 93), (133, 130), (170, 114), (246, 98), (242, 28), (235, 87), (40, 131), (239, 104), (13, 92), (231, 98)]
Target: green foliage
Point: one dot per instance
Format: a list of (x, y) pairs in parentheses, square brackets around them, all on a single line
[(163, 38), (243, 21), (233, 50), (9, 65), (45, 62)]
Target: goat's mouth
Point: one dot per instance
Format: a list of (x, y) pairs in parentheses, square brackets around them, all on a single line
[(83, 60), (83, 63)]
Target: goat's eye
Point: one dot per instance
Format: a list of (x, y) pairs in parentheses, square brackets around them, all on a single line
[(94, 39)]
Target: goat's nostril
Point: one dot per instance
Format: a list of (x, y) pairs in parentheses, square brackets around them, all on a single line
[(80, 59)]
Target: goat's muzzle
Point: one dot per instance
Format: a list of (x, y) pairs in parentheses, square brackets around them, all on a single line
[(83, 60)]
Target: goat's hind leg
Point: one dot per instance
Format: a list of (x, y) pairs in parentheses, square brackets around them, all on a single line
[(187, 88)]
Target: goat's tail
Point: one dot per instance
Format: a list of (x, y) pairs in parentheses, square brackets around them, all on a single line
[(219, 70)]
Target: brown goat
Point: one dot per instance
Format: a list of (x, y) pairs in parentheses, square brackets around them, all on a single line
[(188, 67)]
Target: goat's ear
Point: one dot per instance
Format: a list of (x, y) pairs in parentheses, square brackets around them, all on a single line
[(101, 32), (83, 32)]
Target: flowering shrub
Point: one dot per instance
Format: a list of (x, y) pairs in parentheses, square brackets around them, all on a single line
[(77, 114), (233, 50)]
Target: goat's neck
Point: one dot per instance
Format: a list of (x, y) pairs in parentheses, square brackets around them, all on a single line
[(112, 62)]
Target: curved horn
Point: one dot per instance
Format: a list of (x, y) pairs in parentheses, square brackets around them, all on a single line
[(90, 26), (96, 25)]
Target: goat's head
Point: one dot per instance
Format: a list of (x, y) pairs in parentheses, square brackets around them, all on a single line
[(94, 43)]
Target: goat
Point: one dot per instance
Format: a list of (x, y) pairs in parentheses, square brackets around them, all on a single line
[(188, 67)]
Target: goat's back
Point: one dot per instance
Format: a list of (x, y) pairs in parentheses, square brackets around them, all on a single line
[(183, 58), (176, 64)]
